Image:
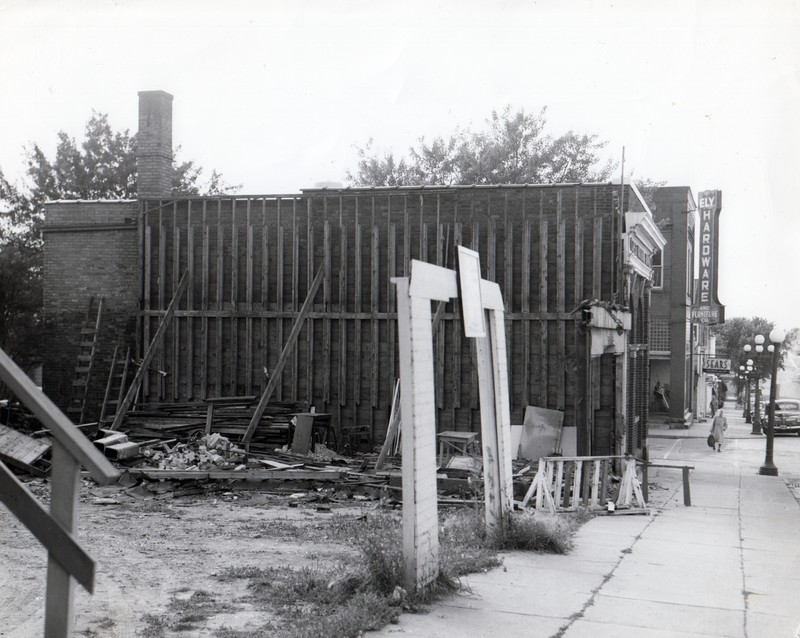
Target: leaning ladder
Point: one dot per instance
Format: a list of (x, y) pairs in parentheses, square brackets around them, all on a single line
[(76, 408)]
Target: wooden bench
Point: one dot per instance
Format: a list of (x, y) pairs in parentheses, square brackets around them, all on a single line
[(687, 494)]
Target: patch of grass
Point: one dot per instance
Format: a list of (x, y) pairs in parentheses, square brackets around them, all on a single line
[(340, 602), (363, 612), (541, 533), (155, 626), (239, 573), (183, 614), (463, 548)]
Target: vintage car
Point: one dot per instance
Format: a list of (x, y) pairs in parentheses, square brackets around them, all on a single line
[(787, 417)]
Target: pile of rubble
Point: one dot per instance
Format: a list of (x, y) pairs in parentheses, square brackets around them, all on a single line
[(207, 452)]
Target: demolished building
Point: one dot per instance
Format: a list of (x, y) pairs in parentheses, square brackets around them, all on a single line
[(573, 261)]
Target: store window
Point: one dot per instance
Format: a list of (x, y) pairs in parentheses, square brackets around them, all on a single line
[(658, 270)]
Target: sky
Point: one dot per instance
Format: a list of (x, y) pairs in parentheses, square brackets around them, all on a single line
[(277, 96)]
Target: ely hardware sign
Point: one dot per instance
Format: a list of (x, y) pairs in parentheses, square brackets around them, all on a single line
[(717, 365), (707, 308)]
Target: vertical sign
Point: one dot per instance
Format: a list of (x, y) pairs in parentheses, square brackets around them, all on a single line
[(707, 308)]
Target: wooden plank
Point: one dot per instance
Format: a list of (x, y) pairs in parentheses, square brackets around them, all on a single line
[(65, 477), (358, 308), (234, 323), (149, 354), (544, 398), (278, 369), (265, 257), (248, 300), (219, 362), (502, 404), (525, 283), (176, 332), (406, 239), (148, 265), (578, 253), (508, 250), (51, 533), (420, 521), (21, 447), (241, 475), (373, 306), (190, 301), (343, 367), (597, 254), (561, 296), (393, 427), (310, 343), (204, 296), (432, 282), (162, 286), (456, 348), (295, 297), (327, 285), (279, 283), (391, 325)]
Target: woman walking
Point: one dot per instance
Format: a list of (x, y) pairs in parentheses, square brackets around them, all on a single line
[(718, 427)]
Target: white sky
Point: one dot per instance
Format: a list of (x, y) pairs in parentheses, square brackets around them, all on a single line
[(275, 94)]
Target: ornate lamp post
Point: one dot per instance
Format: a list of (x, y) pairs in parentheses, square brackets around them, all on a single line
[(746, 412), (776, 337), (754, 374)]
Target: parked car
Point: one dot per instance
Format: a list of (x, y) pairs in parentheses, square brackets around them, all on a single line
[(787, 417)]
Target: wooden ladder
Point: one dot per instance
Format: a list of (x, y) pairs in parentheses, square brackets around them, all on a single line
[(116, 385), (76, 408)]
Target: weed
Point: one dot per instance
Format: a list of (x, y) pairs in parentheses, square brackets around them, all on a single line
[(538, 533), (239, 573), (154, 626)]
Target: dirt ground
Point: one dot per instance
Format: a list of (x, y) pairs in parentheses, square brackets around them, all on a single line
[(154, 548)]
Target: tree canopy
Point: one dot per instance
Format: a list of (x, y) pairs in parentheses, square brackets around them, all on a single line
[(102, 166), (736, 332), (512, 148)]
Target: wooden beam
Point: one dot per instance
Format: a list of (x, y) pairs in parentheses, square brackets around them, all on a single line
[(59, 542), (151, 350), (275, 374)]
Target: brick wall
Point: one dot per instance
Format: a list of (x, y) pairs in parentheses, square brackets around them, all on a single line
[(91, 249)]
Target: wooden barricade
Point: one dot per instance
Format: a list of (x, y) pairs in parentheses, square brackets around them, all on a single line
[(55, 529), (569, 483)]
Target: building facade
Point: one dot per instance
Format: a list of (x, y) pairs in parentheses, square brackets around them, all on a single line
[(574, 263)]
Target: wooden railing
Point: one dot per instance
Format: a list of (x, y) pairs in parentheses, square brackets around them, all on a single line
[(569, 483), (54, 529)]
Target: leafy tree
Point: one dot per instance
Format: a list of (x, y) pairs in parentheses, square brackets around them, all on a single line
[(512, 148), (102, 166), (20, 300), (738, 331)]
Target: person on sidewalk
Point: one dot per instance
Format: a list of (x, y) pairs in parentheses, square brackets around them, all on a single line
[(718, 427)]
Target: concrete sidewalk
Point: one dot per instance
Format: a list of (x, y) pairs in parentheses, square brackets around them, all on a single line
[(727, 566)]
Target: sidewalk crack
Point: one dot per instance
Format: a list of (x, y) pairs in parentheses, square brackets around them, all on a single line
[(623, 553)]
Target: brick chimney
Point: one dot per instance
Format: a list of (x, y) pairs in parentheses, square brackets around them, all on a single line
[(154, 145)]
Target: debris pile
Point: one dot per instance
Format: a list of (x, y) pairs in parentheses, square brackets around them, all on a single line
[(207, 452)]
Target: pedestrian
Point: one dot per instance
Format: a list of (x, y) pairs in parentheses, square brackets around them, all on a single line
[(718, 427), (713, 404), (723, 393)]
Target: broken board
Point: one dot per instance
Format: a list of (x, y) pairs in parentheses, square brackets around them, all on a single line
[(21, 449)]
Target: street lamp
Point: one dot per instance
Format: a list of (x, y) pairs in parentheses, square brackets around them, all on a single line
[(746, 413), (776, 337), (754, 374)]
